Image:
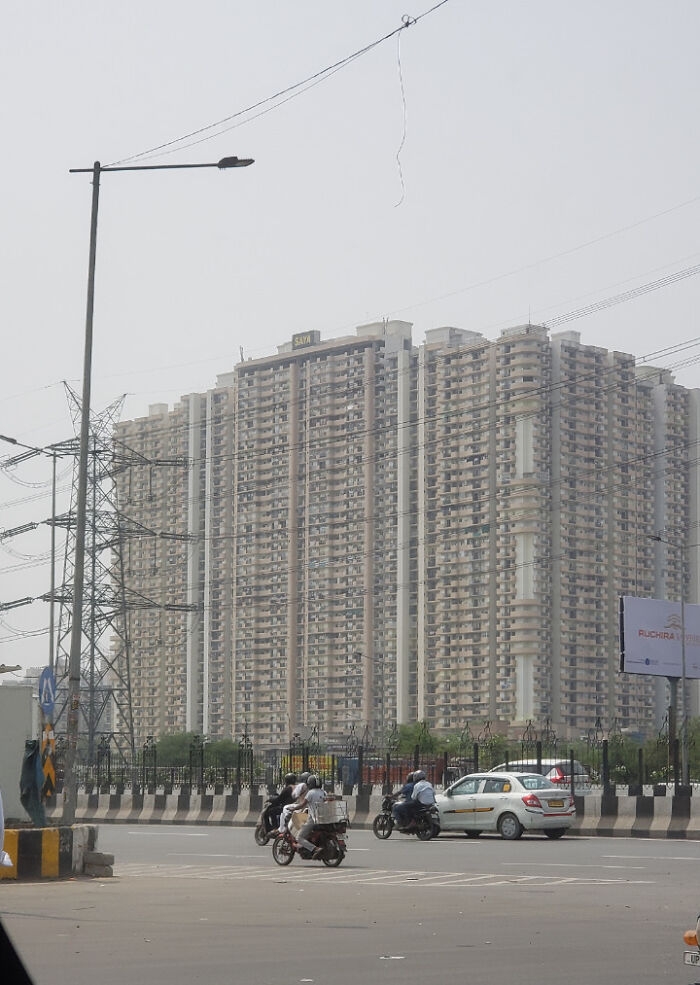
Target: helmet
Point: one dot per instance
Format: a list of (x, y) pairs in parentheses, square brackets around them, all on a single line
[(303, 777), (418, 775), (409, 778), (312, 782), (290, 778)]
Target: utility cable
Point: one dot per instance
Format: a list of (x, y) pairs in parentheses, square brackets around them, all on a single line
[(283, 95), (625, 296)]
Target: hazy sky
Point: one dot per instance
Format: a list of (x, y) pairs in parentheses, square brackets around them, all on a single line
[(524, 131)]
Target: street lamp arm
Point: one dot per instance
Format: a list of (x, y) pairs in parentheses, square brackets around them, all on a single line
[(223, 164)]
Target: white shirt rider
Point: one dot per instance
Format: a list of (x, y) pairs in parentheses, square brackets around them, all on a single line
[(313, 798), (423, 793)]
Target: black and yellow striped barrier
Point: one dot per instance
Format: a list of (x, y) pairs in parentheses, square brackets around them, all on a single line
[(47, 853)]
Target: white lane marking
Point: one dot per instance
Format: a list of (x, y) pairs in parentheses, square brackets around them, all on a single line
[(386, 874), (208, 855), (659, 858), (363, 877), (579, 865)]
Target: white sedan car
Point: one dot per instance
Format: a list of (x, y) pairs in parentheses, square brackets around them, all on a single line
[(509, 803)]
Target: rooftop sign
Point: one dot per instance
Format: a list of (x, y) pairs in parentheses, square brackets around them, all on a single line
[(302, 339)]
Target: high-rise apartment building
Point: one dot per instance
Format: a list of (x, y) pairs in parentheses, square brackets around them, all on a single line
[(369, 532)]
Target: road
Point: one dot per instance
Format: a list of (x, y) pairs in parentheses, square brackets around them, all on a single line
[(207, 905)]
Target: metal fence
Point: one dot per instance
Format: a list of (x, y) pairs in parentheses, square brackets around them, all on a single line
[(608, 759)]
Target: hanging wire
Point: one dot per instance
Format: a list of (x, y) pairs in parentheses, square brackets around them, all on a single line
[(407, 22)]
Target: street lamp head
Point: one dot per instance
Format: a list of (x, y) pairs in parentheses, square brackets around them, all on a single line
[(235, 162)]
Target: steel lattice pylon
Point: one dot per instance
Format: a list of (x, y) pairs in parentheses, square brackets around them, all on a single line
[(105, 702)]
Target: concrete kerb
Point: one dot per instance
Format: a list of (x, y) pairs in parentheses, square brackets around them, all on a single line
[(49, 853), (611, 814)]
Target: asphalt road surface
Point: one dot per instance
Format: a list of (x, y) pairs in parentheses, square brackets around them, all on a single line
[(206, 905)]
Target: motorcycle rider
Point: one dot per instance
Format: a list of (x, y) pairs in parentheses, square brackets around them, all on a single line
[(271, 814), (403, 797), (422, 796), (423, 792), (314, 796), (298, 795)]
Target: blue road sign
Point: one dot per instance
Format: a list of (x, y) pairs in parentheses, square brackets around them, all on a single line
[(47, 691)]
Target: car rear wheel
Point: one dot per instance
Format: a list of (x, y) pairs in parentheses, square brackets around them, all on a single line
[(472, 834), (509, 827), (555, 832)]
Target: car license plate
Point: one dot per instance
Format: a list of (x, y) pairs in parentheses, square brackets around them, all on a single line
[(691, 957), (555, 803)]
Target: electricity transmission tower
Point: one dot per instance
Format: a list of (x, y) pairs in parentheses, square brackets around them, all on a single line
[(105, 712), (105, 688), (105, 716)]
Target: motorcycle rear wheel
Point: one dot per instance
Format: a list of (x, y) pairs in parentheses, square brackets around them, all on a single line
[(382, 826), (333, 854), (282, 850), (424, 832), (262, 836)]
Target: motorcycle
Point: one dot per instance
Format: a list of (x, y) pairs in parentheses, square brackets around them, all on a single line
[(692, 939), (425, 823), (267, 824), (329, 835)]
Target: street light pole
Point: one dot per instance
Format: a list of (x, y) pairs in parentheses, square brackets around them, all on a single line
[(74, 668), (72, 719)]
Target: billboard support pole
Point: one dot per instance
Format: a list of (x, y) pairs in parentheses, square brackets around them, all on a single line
[(648, 658), (672, 716), (684, 717)]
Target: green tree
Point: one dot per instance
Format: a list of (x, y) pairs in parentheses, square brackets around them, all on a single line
[(224, 752), (174, 750), (416, 734)]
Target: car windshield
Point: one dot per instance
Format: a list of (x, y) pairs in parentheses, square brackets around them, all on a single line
[(533, 781)]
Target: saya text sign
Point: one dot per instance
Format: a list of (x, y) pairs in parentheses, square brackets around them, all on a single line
[(651, 639)]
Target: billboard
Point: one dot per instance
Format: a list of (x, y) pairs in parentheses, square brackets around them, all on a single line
[(650, 638)]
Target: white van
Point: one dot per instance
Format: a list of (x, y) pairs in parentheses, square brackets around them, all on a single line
[(557, 771)]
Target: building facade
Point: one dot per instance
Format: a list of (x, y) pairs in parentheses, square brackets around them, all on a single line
[(360, 531)]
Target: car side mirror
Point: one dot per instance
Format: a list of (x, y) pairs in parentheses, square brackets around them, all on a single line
[(448, 792)]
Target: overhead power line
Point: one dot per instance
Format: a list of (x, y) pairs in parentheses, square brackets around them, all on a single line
[(275, 100), (630, 295)]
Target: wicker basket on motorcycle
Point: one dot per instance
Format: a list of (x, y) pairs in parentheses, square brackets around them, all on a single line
[(297, 819)]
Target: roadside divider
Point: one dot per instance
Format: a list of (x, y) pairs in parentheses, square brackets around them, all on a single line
[(598, 814), (50, 853)]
